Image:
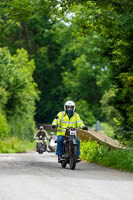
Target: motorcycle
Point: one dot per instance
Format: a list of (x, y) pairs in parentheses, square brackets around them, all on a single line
[(41, 144), (70, 148)]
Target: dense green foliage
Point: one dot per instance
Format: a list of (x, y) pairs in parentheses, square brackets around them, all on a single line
[(67, 66), (108, 130), (118, 159), (113, 21), (27, 24), (82, 51), (17, 93)]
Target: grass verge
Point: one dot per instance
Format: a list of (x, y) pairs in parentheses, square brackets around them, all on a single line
[(118, 159), (15, 145)]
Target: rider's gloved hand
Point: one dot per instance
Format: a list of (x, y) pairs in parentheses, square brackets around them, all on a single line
[(85, 128), (54, 126)]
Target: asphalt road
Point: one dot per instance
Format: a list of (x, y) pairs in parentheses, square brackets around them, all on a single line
[(32, 176)]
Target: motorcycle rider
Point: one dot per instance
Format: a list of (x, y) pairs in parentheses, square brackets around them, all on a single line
[(67, 118), (41, 132), (52, 135)]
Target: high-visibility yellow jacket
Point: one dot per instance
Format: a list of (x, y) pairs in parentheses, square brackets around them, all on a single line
[(64, 121)]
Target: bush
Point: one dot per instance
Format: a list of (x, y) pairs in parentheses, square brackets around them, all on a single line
[(4, 129), (85, 113), (119, 159), (15, 145), (18, 93), (90, 150), (108, 130)]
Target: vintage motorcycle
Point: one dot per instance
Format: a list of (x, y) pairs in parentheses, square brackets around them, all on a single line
[(41, 144), (70, 148)]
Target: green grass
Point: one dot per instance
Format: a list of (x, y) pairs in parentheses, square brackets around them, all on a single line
[(118, 159), (15, 145)]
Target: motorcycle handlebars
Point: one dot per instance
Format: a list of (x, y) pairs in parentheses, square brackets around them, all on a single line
[(83, 128)]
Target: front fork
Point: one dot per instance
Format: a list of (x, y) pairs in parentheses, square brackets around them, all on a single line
[(68, 146), (72, 145)]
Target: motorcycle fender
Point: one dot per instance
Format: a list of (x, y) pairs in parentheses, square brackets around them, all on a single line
[(74, 142)]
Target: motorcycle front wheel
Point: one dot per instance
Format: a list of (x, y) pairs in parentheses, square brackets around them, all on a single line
[(44, 147), (73, 157), (38, 145), (63, 164)]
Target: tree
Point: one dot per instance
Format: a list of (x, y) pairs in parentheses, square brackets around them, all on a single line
[(113, 21), (68, 64), (28, 24), (19, 92), (87, 78)]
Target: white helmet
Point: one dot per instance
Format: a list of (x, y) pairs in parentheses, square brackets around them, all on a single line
[(69, 103), (41, 127)]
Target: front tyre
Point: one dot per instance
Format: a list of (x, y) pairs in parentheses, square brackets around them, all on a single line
[(44, 147), (63, 164), (73, 157), (38, 146)]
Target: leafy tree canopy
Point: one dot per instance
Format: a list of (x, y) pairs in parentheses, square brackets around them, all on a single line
[(18, 90)]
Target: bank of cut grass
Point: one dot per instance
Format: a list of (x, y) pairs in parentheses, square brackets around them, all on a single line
[(118, 159), (15, 145)]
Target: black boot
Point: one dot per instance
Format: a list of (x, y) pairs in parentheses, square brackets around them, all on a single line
[(60, 159)]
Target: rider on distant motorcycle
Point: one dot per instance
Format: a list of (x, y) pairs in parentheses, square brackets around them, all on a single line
[(65, 119), (41, 132), (41, 135)]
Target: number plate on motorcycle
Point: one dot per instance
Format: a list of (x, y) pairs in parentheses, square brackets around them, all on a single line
[(72, 132)]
